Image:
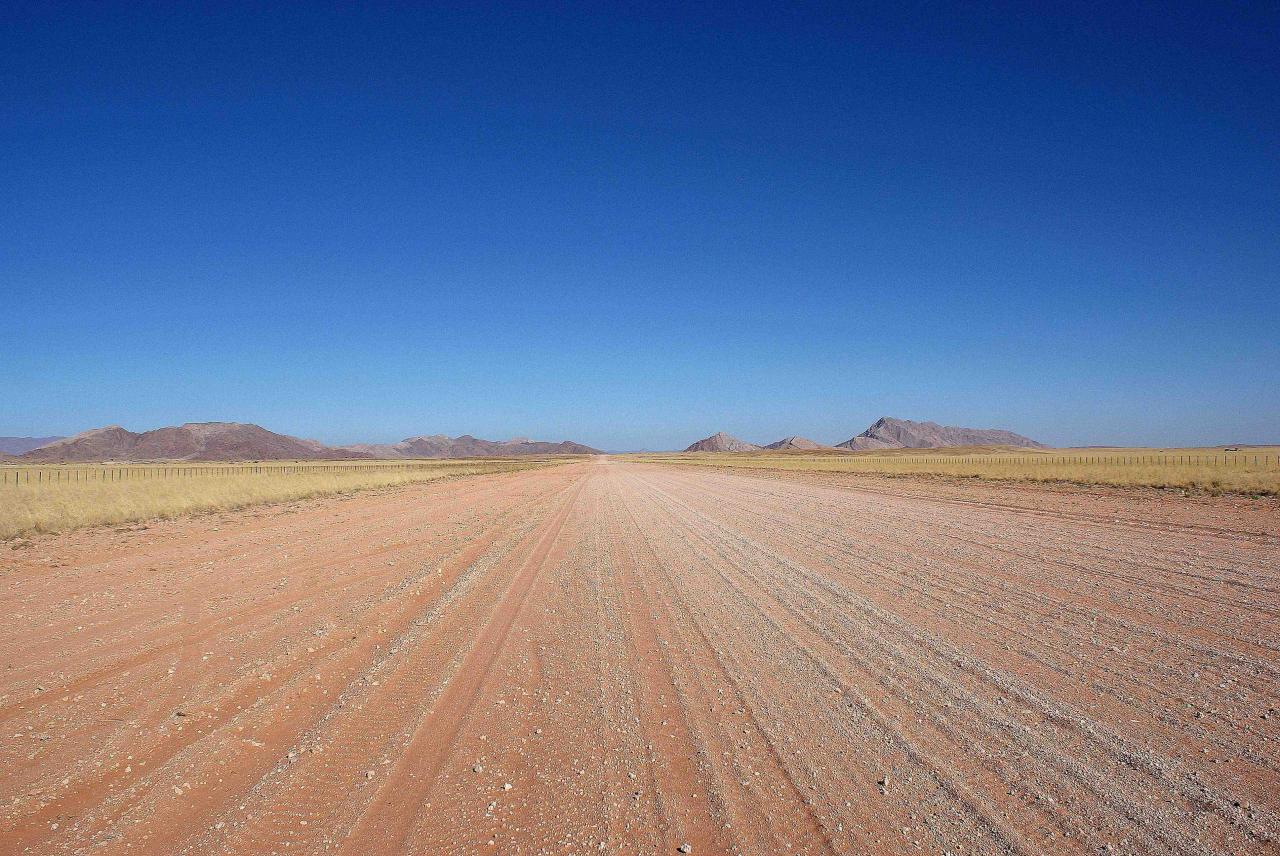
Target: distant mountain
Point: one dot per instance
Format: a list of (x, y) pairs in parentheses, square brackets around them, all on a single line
[(722, 442), (862, 443), (19, 445), (466, 446), (801, 443), (194, 441), (890, 433)]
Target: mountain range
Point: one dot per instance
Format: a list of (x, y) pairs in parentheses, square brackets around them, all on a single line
[(885, 433), (235, 441), (232, 441), (194, 441), (20, 445), (466, 446)]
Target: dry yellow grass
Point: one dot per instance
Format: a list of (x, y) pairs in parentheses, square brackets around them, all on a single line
[(59, 498), (1251, 470)]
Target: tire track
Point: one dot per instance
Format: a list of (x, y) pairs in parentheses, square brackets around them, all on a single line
[(1132, 757), (432, 742)]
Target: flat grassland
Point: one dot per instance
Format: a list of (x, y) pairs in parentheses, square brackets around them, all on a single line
[(1253, 470), (629, 658), (56, 498)]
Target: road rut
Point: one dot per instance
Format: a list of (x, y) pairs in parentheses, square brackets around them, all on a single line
[(618, 657)]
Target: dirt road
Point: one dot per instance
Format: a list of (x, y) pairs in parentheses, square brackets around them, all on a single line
[(629, 658)]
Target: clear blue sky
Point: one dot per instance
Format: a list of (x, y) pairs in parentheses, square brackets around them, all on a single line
[(635, 226)]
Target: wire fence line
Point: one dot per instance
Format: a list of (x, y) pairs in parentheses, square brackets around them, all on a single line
[(1236, 461), (63, 474), (1261, 463)]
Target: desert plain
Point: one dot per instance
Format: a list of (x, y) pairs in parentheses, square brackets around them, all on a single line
[(611, 655)]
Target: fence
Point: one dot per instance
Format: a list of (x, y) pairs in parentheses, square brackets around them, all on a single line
[(1241, 461), (1264, 462), (55, 474)]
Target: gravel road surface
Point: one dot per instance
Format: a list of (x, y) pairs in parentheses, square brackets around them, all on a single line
[(629, 658)]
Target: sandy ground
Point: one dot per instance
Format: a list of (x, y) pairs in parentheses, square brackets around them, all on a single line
[(630, 658)]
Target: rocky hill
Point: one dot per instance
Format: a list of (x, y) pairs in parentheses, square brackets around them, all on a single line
[(194, 441), (722, 442), (890, 433)]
